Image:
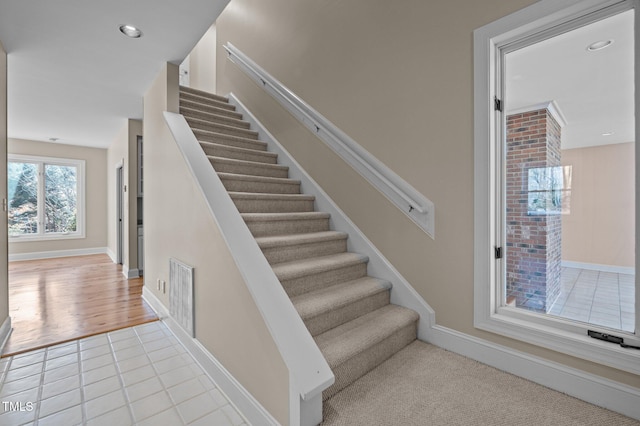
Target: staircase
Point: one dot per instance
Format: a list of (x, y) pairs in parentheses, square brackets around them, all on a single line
[(346, 311)]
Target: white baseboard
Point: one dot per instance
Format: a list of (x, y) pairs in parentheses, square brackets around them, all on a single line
[(130, 273), (246, 404), (57, 253), (577, 383), (5, 332), (630, 270), (112, 255)]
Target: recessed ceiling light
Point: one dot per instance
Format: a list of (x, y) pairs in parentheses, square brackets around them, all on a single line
[(599, 45), (608, 133), (130, 31)]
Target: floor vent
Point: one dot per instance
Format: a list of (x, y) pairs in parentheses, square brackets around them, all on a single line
[(181, 295)]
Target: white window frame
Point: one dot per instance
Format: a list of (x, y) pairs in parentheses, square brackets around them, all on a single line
[(554, 333), (80, 200)]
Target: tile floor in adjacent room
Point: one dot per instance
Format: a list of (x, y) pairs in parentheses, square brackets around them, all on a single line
[(596, 297), (140, 375)]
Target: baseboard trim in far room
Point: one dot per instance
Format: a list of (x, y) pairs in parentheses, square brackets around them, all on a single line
[(588, 387), (57, 253), (244, 402), (630, 270)]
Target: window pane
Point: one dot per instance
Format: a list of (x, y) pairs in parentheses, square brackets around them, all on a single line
[(569, 152), (22, 188), (60, 213)]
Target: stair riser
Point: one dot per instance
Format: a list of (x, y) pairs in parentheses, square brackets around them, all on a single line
[(273, 206), (242, 169), (336, 317), (219, 102), (304, 251), (202, 93), (268, 228), (219, 109), (213, 127), (356, 367), (215, 118), (305, 284), (231, 141), (222, 151), (260, 187)]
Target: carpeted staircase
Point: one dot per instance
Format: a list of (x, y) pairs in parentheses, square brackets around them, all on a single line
[(347, 311)]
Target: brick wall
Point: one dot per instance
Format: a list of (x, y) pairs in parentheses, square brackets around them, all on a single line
[(533, 252)]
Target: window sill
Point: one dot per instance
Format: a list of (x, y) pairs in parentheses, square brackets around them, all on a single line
[(558, 335), (31, 239)]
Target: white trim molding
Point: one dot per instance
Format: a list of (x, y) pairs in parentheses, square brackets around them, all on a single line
[(404, 196), (588, 387), (542, 18), (130, 273), (57, 253), (5, 332), (236, 393), (551, 106)]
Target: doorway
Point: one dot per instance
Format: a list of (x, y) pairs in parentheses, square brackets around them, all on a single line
[(119, 214)]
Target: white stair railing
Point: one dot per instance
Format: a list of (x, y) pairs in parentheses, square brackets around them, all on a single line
[(404, 196)]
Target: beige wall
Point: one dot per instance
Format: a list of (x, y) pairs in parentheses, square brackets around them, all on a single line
[(202, 63), (600, 227), (123, 150), (396, 77), (178, 224), (95, 195), (4, 279)]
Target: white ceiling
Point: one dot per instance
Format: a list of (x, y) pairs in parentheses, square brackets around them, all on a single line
[(72, 75), (594, 90)]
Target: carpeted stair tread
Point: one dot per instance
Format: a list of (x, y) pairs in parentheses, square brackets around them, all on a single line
[(196, 123), (298, 246), (330, 307), (248, 183), (300, 268), (190, 97), (248, 202), (297, 239), (202, 94), (230, 165), (344, 342), (215, 107), (221, 150), (266, 224), (211, 116), (230, 140)]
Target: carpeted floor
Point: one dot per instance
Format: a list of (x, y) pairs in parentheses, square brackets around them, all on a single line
[(431, 386)]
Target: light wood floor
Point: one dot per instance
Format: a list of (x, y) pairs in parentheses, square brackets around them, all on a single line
[(56, 300)]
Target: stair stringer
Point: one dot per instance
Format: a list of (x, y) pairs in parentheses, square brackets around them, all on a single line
[(309, 373), (402, 293)]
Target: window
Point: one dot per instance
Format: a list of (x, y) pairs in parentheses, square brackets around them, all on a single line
[(45, 198), (542, 165), (549, 190)]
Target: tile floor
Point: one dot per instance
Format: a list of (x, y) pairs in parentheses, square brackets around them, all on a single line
[(140, 375), (595, 297)]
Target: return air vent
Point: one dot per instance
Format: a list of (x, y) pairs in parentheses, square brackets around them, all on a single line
[(181, 301)]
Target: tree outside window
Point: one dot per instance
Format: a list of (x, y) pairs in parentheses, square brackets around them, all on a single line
[(43, 197)]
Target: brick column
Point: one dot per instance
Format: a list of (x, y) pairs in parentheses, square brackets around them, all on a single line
[(533, 252)]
